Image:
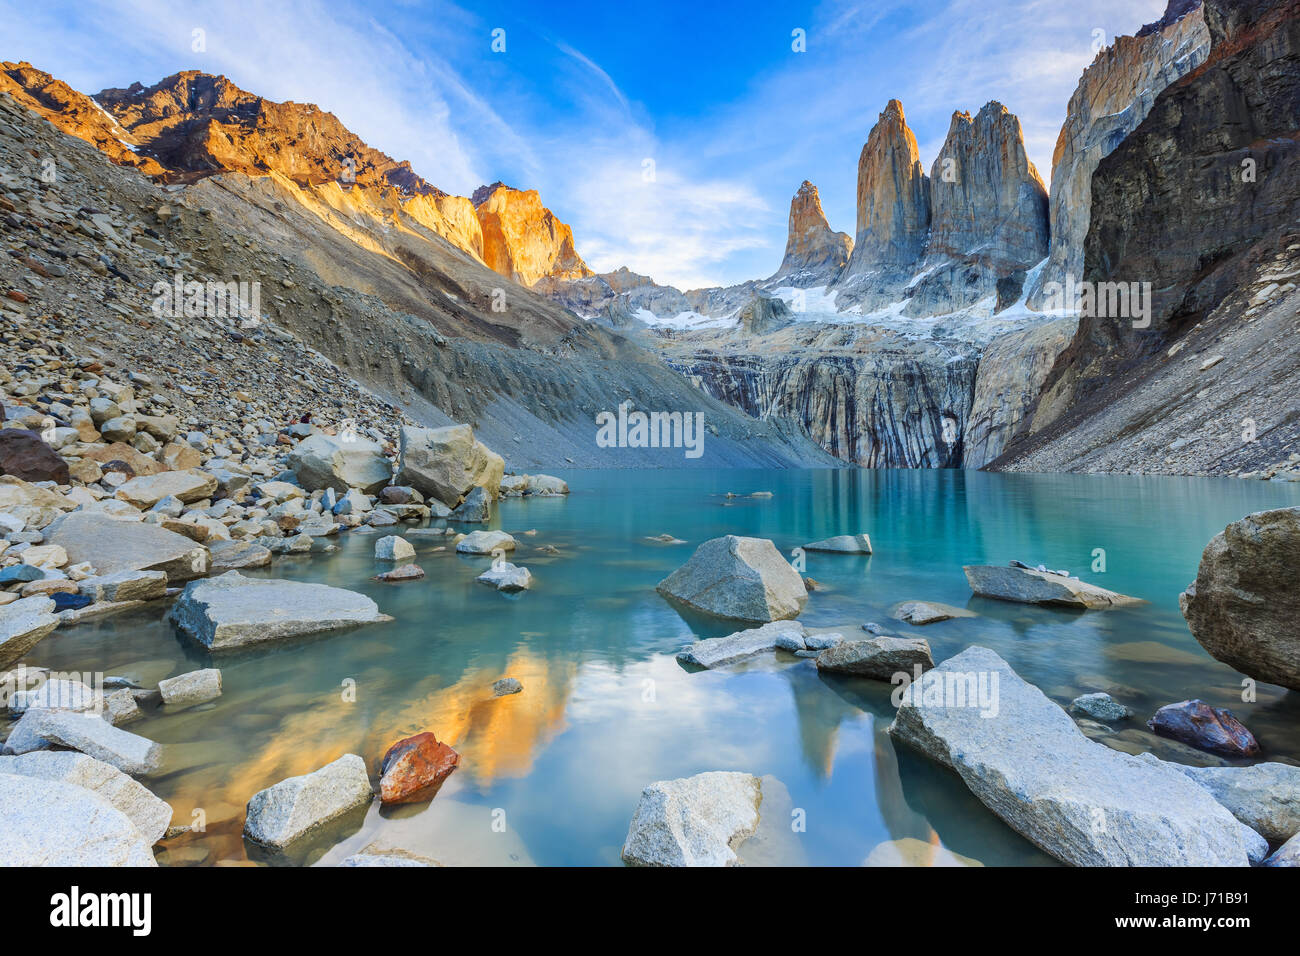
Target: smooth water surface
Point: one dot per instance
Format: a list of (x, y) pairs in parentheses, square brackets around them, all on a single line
[(552, 775)]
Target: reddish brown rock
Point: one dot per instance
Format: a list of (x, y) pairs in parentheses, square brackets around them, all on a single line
[(1196, 723), (414, 769), (24, 455), (811, 246)]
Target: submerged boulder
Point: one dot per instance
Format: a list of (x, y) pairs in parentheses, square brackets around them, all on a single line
[(928, 612), (1016, 582), (742, 579), (694, 821), (1196, 723), (719, 651), (842, 544), (234, 611), (445, 463), (1080, 801), (284, 813), (1245, 601)]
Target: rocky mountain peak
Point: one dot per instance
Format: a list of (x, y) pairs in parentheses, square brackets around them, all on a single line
[(196, 124), (814, 253), (893, 195), (523, 239), (986, 197)]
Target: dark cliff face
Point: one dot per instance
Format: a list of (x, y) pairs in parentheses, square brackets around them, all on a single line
[(867, 396), (1201, 201), (1213, 171)]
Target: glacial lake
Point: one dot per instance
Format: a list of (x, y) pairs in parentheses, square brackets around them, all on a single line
[(552, 775)]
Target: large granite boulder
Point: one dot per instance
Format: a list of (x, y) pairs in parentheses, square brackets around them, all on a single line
[(110, 546), (1265, 797), (150, 815), (1080, 801), (1026, 585), (743, 579), (52, 823), (25, 455), (147, 490), (879, 658), (694, 821), (1245, 601), (24, 623), (341, 463), (284, 813), (445, 463), (232, 611)]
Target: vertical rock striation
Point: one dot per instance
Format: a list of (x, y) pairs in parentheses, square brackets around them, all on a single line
[(988, 215)]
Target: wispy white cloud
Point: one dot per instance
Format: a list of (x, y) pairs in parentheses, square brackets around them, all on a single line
[(412, 80)]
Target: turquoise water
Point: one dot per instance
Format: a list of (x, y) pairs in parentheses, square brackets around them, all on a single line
[(552, 775)]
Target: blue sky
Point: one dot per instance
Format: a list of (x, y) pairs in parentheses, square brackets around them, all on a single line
[(588, 99)]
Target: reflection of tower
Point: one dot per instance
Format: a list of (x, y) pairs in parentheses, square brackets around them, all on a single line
[(950, 435), (819, 713)]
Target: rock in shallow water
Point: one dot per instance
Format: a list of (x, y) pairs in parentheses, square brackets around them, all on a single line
[(880, 657), (291, 809), (1080, 801), (1245, 601), (234, 611), (393, 548), (195, 687), (743, 579), (414, 768), (506, 686), (1209, 728), (928, 612), (485, 542), (1100, 706), (842, 544), (693, 821), (507, 577), (1032, 586), (718, 651)]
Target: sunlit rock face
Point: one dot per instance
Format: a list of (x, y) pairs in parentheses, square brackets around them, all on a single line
[(814, 253), (988, 216), (522, 239), (1114, 95)]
